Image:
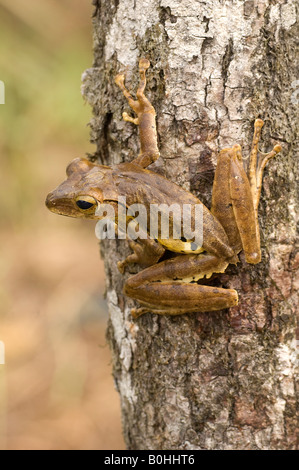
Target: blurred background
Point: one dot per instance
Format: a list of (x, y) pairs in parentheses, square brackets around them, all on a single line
[(56, 387)]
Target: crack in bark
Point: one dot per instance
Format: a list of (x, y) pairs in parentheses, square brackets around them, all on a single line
[(226, 61)]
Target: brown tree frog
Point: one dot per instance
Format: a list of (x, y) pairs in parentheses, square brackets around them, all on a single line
[(173, 284)]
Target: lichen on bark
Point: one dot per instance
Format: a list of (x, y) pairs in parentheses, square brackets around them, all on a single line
[(222, 380)]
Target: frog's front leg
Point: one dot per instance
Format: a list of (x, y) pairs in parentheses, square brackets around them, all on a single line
[(146, 117), (171, 287), (146, 252)]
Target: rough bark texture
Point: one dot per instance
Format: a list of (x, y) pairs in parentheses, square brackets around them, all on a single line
[(222, 380)]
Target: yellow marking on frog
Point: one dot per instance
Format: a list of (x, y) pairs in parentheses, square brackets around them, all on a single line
[(179, 246)]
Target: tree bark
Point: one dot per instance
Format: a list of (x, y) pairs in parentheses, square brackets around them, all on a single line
[(221, 380)]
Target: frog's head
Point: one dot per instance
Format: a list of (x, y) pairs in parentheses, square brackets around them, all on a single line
[(80, 194)]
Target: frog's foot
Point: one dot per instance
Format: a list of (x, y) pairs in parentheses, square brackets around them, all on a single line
[(132, 258), (260, 171), (145, 254), (143, 66), (142, 104), (120, 82), (128, 118), (137, 312), (256, 169)]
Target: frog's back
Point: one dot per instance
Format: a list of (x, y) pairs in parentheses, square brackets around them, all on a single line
[(146, 187)]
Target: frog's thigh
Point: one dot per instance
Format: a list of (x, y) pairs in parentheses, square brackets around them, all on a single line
[(170, 287)]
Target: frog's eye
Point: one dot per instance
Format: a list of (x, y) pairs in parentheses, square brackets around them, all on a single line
[(85, 202)]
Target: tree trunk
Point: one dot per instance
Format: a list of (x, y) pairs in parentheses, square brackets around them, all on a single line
[(221, 380)]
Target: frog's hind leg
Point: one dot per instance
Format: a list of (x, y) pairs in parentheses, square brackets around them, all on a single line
[(184, 298), (236, 196), (171, 287), (243, 207), (222, 207), (146, 117)]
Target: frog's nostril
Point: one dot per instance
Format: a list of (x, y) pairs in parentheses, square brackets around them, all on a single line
[(50, 201)]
